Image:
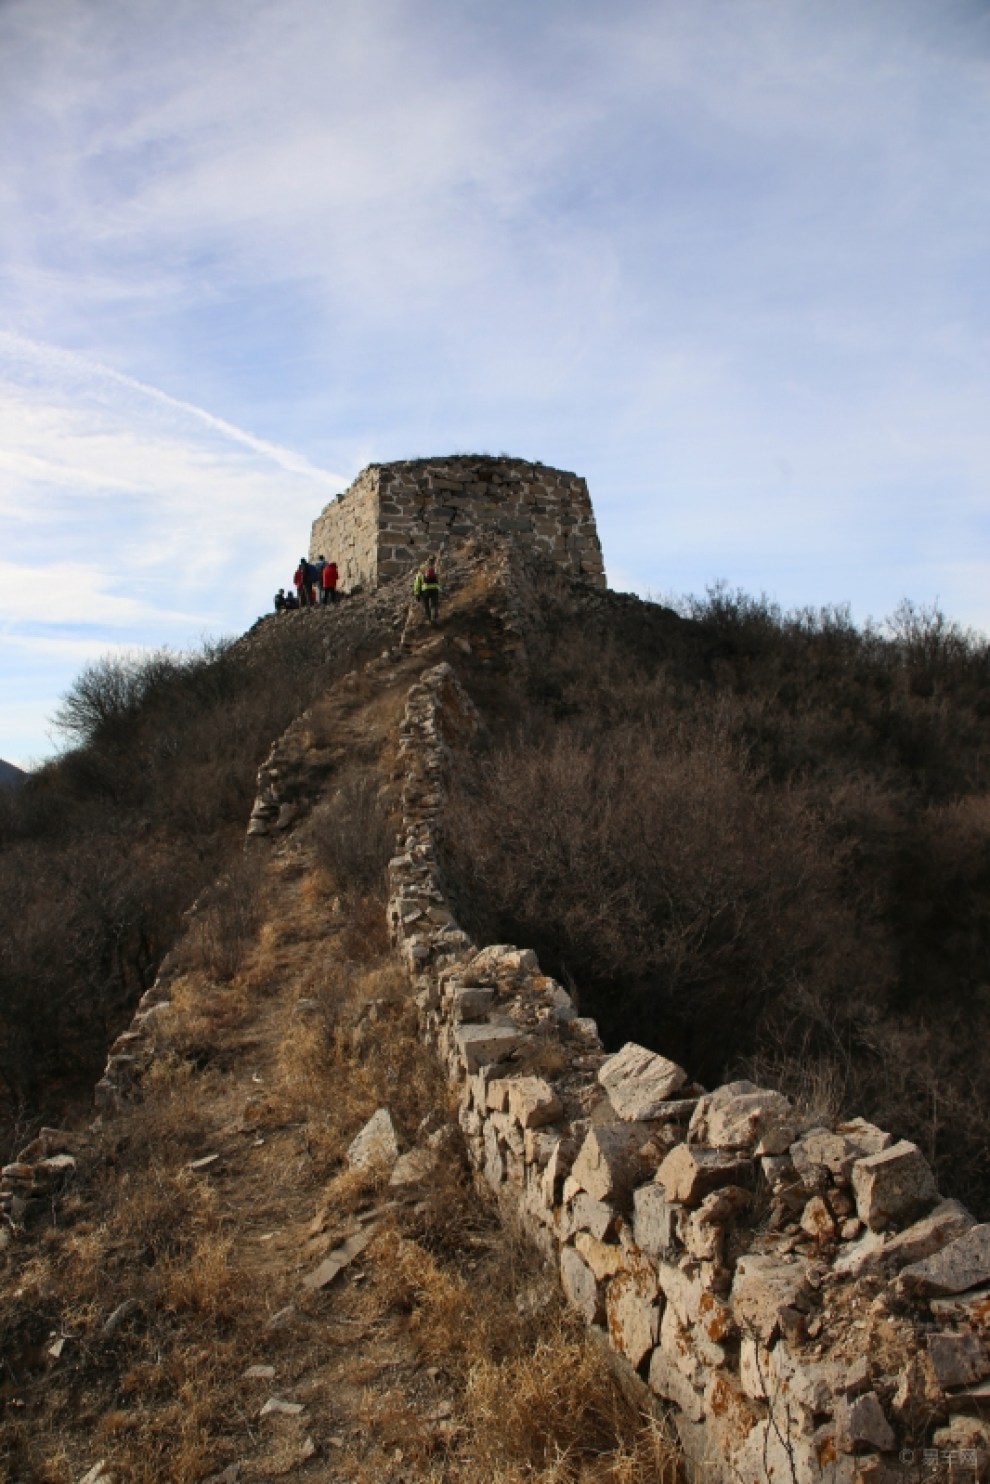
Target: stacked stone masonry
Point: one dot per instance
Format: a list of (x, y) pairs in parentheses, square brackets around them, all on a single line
[(801, 1296), (395, 515)]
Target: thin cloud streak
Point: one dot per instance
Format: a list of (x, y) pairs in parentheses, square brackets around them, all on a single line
[(59, 363)]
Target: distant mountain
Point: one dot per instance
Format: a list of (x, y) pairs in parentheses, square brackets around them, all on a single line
[(10, 776)]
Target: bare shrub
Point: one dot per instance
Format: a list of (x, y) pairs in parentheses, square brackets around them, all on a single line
[(757, 841), (108, 690), (931, 644), (354, 839), (228, 920), (685, 900), (83, 932)]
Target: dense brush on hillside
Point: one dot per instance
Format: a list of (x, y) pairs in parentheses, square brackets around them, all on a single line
[(759, 843), (102, 850)]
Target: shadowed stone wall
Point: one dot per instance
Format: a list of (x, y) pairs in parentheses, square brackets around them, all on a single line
[(395, 515)]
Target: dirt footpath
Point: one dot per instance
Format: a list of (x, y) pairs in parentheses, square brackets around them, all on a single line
[(218, 1294)]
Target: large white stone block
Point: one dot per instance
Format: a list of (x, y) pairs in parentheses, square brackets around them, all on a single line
[(639, 1082)]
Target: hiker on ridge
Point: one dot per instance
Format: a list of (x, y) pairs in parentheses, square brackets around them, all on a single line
[(299, 578), (426, 588), (329, 580)]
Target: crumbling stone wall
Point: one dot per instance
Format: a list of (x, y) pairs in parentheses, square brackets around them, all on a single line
[(395, 515), (801, 1294)]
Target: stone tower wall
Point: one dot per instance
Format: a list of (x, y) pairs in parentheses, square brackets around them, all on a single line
[(395, 515), (346, 531)]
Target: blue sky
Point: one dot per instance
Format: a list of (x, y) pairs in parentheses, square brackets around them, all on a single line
[(728, 259)]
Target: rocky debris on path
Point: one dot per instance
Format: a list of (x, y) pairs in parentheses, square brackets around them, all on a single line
[(375, 1144), (41, 1173), (100, 1473), (415, 1169), (277, 1405), (283, 1318), (335, 1262), (122, 1312)]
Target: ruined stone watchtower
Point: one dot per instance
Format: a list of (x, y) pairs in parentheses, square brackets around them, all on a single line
[(395, 515)]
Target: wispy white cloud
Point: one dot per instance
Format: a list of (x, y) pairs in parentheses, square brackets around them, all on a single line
[(59, 592), (135, 479), (726, 261), (130, 517), (75, 650)]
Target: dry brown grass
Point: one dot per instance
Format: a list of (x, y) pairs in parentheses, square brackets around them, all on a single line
[(200, 1280), (356, 1051), (204, 1019), (535, 1402), (551, 1415), (399, 1362), (152, 1390), (225, 926)]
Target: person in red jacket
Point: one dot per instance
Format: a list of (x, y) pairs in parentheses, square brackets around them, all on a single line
[(329, 580), (301, 585)]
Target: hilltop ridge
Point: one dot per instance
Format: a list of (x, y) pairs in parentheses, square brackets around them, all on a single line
[(10, 775), (697, 847), (818, 781)]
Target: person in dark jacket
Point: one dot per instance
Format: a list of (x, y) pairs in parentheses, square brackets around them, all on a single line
[(300, 579)]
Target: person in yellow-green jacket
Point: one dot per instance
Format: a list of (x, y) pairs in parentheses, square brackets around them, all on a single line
[(426, 588)]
